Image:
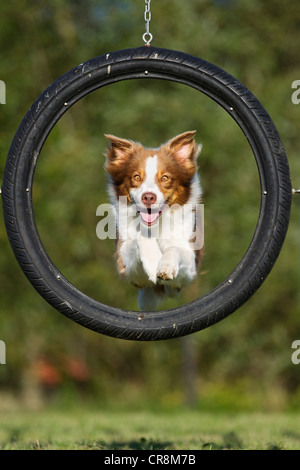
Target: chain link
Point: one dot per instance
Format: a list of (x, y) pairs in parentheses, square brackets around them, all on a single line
[(147, 36)]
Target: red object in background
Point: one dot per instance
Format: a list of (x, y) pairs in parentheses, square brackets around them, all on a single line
[(77, 369), (46, 373), (50, 375)]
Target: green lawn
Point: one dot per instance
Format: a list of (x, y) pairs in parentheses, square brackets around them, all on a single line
[(146, 430)]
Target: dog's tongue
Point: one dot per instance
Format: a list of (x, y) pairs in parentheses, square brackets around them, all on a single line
[(149, 217)]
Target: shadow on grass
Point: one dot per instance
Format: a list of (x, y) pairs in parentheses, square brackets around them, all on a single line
[(230, 442), (141, 444)]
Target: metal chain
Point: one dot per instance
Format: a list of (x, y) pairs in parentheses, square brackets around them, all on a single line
[(147, 36)]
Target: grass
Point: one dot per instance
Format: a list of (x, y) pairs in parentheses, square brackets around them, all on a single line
[(105, 429)]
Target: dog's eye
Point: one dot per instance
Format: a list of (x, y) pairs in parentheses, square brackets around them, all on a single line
[(165, 178), (137, 177)]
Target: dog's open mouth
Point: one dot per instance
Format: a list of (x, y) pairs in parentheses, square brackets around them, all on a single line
[(150, 216)]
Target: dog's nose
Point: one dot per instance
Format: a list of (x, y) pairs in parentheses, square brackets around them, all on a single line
[(148, 199)]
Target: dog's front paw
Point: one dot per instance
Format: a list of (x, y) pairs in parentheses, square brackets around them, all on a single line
[(167, 269), (151, 275)]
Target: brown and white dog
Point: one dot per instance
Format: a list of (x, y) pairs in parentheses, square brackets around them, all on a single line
[(155, 193)]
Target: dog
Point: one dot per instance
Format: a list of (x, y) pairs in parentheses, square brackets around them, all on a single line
[(155, 193)]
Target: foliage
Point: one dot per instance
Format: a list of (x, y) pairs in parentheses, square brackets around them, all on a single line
[(257, 42)]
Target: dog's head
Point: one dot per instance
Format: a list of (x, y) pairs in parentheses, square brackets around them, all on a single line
[(152, 178)]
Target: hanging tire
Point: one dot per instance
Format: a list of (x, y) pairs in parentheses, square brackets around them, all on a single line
[(268, 151)]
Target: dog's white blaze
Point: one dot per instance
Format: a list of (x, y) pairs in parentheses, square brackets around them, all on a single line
[(151, 170), (149, 184)]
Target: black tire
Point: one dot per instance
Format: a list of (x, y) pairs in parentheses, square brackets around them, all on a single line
[(268, 150)]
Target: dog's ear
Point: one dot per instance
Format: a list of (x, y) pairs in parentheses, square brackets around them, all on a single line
[(120, 149), (184, 148)]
